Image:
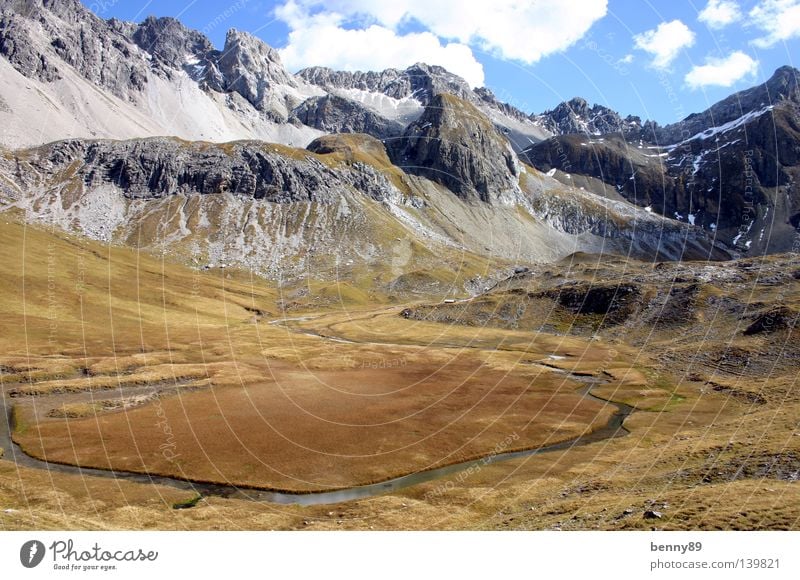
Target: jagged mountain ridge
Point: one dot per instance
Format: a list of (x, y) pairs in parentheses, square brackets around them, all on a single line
[(169, 80), (156, 78), (576, 116), (732, 169)]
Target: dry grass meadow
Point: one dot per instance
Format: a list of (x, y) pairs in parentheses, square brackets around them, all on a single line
[(110, 357)]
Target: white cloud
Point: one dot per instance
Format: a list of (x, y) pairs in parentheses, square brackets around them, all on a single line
[(627, 59), (778, 19), (376, 48), (665, 42), (722, 72), (337, 31), (720, 13)]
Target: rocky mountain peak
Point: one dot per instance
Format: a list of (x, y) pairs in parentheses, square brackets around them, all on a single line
[(578, 105), (69, 10), (456, 145), (169, 41), (420, 81), (784, 84), (254, 56), (373, 81), (781, 87), (427, 81), (576, 116), (251, 68), (488, 97), (730, 169)]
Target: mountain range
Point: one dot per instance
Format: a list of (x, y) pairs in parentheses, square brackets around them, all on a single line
[(145, 134)]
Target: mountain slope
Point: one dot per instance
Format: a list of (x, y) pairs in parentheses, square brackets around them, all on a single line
[(328, 212), (68, 73), (158, 140), (401, 96), (731, 170), (160, 78)]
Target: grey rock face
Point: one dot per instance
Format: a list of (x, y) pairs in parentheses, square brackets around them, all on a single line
[(454, 144), (16, 47), (97, 50), (157, 167), (246, 66), (646, 234), (388, 82), (251, 68), (334, 114), (169, 42)]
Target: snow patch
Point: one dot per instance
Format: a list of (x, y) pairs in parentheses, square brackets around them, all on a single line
[(405, 110), (724, 128)]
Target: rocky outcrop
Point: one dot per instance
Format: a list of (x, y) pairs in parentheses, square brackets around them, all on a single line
[(777, 319), (158, 167), (334, 114), (488, 97), (455, 145)]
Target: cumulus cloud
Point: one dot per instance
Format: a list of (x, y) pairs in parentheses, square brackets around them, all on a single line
[(665, 42), (720, 13), (778, 19), (722, 72), (376, 48), (373, 35)]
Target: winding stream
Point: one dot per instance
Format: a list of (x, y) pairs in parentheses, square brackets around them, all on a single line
[(613, 428)]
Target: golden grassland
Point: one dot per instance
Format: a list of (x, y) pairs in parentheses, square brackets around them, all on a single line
[(102, 346)]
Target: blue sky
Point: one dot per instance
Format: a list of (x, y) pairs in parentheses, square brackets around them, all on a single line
[(658, 60)]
